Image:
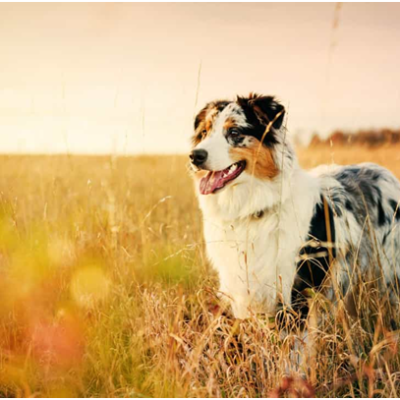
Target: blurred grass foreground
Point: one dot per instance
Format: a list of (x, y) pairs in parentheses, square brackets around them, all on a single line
[(105, 291)]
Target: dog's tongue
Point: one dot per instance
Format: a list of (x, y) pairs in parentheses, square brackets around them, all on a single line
[(211, 182)]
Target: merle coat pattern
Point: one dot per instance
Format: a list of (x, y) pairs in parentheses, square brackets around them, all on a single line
[(273, 229)]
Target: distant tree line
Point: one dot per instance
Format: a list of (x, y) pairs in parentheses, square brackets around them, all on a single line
[(362, 137)]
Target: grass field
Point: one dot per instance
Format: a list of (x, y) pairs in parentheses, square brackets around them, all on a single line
[(105, 291)]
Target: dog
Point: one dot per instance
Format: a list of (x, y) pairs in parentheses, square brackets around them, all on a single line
[(272, 229)]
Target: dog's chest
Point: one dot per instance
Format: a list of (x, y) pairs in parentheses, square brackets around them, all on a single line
[(255, 257), (245, 254), (241, 246)]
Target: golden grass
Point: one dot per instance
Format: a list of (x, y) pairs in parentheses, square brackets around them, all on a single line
[(105, 291)]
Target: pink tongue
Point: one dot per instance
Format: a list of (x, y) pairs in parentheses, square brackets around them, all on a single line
[(211, 182)]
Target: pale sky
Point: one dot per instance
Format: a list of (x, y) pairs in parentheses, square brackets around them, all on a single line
[(101, 78)]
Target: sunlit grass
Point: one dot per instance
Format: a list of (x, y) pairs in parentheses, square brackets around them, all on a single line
[(105, 291)]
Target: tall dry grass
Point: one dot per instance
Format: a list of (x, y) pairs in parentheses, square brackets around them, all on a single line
[(105, 291)]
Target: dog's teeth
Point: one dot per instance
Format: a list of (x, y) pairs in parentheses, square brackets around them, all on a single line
[(233, 168)]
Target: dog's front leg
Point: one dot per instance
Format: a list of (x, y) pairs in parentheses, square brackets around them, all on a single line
[(286, 282)]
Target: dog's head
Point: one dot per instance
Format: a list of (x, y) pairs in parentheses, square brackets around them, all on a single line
[(236, 140)]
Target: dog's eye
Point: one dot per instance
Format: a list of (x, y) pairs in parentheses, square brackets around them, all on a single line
[(233, 132)]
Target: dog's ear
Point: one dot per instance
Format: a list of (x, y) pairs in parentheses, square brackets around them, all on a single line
[(200, 116), (267, 110), (217, 105)]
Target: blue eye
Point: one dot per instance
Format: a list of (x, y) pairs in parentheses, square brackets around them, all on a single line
[(233, 132)]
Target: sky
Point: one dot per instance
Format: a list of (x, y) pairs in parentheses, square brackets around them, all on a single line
[(129, 78)]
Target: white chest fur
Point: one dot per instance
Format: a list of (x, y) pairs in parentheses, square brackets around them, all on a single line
[(256, 256), (247, 275)]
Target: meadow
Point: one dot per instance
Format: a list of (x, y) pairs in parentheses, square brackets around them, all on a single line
[(105, 290)]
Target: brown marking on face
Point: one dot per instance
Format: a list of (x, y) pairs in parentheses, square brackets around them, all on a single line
[(200, 132), (259, 160), (210, 118), (229, 123), (206, 119)]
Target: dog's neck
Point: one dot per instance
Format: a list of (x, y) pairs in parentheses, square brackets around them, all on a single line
[(257, 198)]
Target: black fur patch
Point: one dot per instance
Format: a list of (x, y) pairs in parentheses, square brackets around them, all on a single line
[(258, 123), (312, 272), (348, 205), (381, 214)]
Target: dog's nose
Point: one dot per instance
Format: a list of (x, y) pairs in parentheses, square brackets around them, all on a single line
[(198, 157)]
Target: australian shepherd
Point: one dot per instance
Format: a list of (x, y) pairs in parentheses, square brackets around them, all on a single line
[(273, 229)]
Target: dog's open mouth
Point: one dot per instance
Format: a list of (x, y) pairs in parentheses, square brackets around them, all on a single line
[(216, 180)]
